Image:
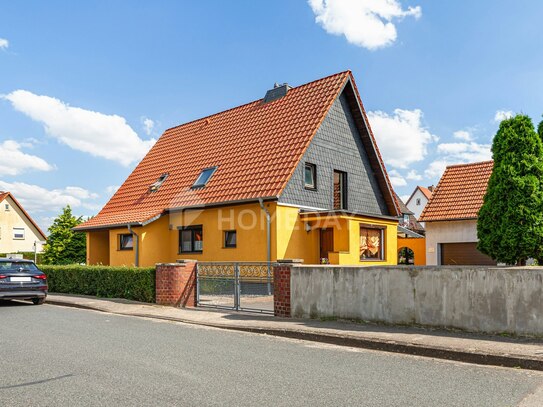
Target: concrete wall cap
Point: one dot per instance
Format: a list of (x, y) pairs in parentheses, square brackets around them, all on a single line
[(290, 261)]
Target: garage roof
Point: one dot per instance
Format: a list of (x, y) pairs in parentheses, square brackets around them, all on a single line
[(459, 193)]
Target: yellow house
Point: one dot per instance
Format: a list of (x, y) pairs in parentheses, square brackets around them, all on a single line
[(296, 175), (18, 231)]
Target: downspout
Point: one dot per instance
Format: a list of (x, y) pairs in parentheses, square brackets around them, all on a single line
[(136, 246), (268, 228), (268, 241)]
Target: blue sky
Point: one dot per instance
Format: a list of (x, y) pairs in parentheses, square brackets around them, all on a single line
[(87, 86)]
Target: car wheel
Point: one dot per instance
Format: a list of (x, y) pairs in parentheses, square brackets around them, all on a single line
[(38, 301)]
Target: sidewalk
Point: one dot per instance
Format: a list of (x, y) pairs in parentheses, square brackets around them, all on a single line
[(453, 345)]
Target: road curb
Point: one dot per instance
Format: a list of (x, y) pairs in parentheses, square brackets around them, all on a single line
[(407, 348)]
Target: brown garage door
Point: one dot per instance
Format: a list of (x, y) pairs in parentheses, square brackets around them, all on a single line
[(463, 254)]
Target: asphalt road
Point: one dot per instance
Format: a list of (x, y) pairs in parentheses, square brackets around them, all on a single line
[(56, 356)]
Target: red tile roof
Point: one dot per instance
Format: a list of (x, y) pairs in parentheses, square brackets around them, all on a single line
[(256, 148), (459, 193), (4, 195)]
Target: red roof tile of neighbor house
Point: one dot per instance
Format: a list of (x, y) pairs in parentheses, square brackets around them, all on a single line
[(459, 193), (255, 147), (4, 195)]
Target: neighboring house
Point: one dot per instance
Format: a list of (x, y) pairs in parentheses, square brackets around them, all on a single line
[(411, 242), (451, 216), (408, 220), (418, 200), (18, 231), (295, 175)]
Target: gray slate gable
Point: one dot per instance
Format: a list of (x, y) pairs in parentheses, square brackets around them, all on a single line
[(337, 146)]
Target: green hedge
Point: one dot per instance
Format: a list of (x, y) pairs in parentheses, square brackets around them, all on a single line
[(132, 283), (26, 255)]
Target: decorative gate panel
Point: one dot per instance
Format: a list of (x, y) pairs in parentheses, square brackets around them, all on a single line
[(239, 286)]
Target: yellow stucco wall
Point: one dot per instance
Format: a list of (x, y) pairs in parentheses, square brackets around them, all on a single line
[(248, 221), (351, 256), (418, 245), (15, 218), (120, 257), (98, 247), (293, 241), (159, 241)]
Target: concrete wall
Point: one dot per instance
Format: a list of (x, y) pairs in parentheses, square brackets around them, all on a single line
[(458, 231), (479, 299)]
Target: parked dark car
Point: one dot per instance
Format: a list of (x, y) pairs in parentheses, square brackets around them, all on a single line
[(22, 280)]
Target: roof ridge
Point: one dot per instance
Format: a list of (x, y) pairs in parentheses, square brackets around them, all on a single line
[(348, 71), (469, 164)]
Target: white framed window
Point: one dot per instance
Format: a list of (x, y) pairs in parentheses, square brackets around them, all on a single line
[(418, 201), (18, 233), (310, 176), (6, 206)]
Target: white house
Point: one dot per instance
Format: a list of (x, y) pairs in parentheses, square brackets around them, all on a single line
[(418, 200), (18, 231), (451, 216)]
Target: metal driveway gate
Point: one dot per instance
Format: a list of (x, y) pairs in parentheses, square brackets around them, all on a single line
[(240, 286)]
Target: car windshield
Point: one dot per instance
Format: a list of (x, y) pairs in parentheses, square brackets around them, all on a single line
[(12, 266)]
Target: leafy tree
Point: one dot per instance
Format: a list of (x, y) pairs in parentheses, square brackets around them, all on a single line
[(64, 246), (510, 221)]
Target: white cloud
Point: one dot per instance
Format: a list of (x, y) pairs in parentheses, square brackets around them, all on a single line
[(14, 162), (396, 179), (457, 153), (365, 23), (465, 152), (463, 135), (148, 125), (503, 115), (38, 199), (404, 198), (101, 135), (4, 44), (413, 175), (112, 189), (436, 168), (401, 137)]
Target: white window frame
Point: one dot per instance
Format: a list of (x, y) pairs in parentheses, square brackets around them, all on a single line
[(15, 230)]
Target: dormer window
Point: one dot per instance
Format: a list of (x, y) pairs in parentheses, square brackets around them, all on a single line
[(204, 177), (156, 185)]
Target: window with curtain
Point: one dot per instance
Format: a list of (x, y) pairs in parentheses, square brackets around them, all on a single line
[(371, 243)]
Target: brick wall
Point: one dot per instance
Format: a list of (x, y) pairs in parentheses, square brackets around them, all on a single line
[(176, 284), (281, 287)]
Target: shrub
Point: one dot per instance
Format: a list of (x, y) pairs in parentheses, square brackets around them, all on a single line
[(26, 255), (131, 283)]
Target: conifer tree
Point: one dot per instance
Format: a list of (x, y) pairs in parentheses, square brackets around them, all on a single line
[(510, 221), (64, 246)]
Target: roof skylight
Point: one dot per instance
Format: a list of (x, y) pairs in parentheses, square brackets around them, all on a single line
[(204, 177), (156, 185)]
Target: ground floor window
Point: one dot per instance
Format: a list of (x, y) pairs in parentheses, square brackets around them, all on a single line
[(191, 239), (230, 238), (126, 242), (371, 243)]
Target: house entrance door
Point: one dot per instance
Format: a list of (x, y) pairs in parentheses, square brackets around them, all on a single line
[(326, 242)]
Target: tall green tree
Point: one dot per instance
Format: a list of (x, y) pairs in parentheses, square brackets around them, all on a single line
[(64, 246), (510, 221)]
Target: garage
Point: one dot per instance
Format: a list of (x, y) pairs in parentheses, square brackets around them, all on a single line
[(460, 254)]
